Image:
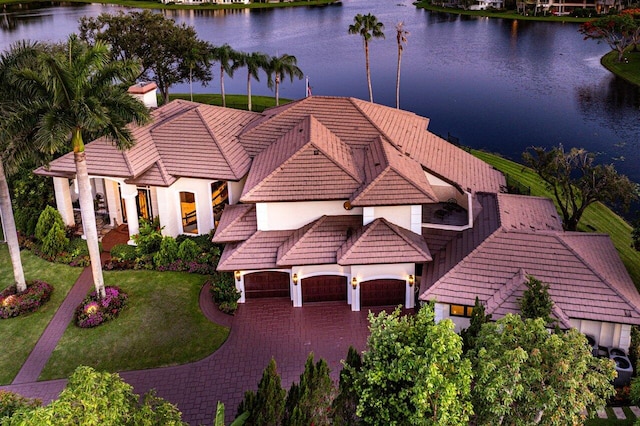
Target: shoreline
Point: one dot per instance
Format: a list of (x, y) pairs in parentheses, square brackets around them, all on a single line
[(512, 15), (149, 4)]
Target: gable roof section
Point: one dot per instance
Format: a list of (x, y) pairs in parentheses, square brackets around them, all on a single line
[(578, 290), (156, 175), (318, 242), (392, 179), (528, 213), (257, 252), (237, 223), (307, 163), (382, 242)]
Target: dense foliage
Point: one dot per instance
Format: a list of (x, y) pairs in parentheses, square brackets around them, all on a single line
[(309, 401), (224, 292), (14, 303), (619, 31), (94, 311), (265, 407), (536, 301), (11, 402), (470, 334)]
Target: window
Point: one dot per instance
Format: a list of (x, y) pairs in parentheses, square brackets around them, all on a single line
[(219, 198), (188, 212), (460, 310)]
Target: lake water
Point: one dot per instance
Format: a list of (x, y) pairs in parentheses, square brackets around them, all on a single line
[(501, 85)]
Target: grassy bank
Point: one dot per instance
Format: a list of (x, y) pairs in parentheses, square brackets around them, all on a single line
[(628, 70), (259, 103), (597, 217), (146, 4), (508, 14)]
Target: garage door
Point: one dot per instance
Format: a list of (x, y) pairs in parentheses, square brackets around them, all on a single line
[(382, 292), (266, 284), (324, 288)]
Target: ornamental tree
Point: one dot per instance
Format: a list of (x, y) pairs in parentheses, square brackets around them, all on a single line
[(413, 372), (618, 31), (535, 301), (577, 181), (524, 375)]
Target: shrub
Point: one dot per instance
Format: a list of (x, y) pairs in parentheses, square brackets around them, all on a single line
[(189, 250), (26, 220), (93, 311), (47, 219), (123, 252), (168, 252), (11, 402), (149, 238), (224, 292), (55, 242), (13, 303)]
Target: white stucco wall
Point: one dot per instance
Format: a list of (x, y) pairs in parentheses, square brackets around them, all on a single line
[(283, 216), (442, 313), (399, 215), (113, 202), (605, 333), (396, 271), (169, 205), (442, 189), (235, 190)]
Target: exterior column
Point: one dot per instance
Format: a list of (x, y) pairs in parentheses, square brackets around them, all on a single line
[(129, 193), (355, 294), (239, 280), (410, 295), (296, 292), (63, 200)]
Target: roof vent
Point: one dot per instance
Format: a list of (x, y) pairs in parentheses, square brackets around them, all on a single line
[(316, 152)]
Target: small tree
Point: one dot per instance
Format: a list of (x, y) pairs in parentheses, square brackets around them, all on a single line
[(168, 252), (525, 375), (267, 406), (536, 301), (618, 31), (469, 335), (55, 242), (188, 250), (413, 372), (309, 402), (47, 219), (577, 182), (345, 403)]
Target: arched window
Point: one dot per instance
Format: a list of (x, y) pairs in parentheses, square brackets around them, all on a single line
[(219, 198), (188, 212)]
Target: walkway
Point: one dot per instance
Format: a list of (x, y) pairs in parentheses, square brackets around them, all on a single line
[(261, 329)]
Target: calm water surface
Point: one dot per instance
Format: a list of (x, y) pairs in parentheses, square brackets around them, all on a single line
[(496, 84)]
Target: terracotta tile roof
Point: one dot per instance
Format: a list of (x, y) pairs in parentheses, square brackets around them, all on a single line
[(528, 213), (318, 242), (237, 223), (382, 242), (306, 163), (578, 290), (392, 179), (257, 252), (156, 175)]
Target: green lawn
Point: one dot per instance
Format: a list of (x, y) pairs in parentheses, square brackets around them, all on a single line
[(150, 4), (161, 326), (597, 218), (19, 335), (508, 14), (258, 103), (612, 419), (629, 70)]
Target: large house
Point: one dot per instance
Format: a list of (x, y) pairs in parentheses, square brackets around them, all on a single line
[(338, 199)]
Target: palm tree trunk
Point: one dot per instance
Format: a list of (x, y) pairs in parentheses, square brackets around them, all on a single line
[(366, 61), (249, 91), (224, 101), (398, 77), (11, 234), (87, 211), (277, 88)]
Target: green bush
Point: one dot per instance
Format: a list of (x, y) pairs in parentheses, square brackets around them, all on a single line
[(11, 402), (168, 252), (123, 252), (149, 238), (47, 219), (189, 250), (26, 220), (55, 241), (224, 292)]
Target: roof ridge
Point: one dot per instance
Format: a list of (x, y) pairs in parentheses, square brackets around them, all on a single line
[(304, 231), (400, 231), (216, 141), (156, 124), (505, 291), (353, 173)]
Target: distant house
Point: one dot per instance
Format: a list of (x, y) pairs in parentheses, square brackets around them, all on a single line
[(338, 199)]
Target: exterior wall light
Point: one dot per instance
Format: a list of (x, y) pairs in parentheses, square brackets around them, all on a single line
[(295, 279), (412, 280), (354, 283), (237, 275)]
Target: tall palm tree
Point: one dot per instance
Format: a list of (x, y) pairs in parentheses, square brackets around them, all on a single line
[(82, 93), (254, 61), (14, 147), (368, 27), (401, 38), (228, 59), (282, 66)]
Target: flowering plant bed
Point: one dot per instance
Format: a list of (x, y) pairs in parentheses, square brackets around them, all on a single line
[(13, 303), (93, 311)]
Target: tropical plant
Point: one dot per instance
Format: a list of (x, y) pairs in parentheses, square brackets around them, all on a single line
[(401, 38), (618, 31), (12, 141), (254, 61), (368, 27), (229, 62), (282, 66), (76, 94)]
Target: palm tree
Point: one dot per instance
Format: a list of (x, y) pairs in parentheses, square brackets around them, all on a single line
[(282, 66), (228, 59), (14, 147), (368, 27), (401, 38), (254, 61), (81, 93)]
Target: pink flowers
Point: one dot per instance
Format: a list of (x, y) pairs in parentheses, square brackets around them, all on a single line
[(93, 311), (13, 303)]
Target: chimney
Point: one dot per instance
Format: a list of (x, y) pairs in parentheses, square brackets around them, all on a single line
[(146, 92)]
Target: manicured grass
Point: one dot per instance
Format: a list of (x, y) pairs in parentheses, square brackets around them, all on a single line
[(19, 335), (597, 217), (161, 326), (629, 70), (509, 14), (147, 4), (258, 103), (612, 419)]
